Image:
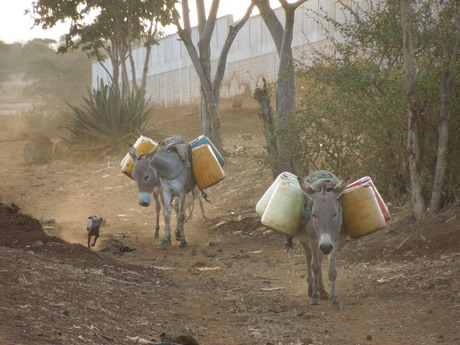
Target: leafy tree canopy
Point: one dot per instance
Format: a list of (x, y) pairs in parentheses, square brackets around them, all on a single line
[(93, 23)]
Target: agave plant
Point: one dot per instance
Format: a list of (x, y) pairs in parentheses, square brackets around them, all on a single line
[(108, 120)]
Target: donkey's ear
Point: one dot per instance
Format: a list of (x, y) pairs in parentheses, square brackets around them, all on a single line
[(340, 188), (151, 155), (133, 152), (306, 187)]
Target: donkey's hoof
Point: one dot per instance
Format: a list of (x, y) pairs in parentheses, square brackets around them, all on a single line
[(314, 301), (336, 306), (164, 243), (182, 243)]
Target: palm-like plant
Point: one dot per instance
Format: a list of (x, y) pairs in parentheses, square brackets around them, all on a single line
[(108, 120)]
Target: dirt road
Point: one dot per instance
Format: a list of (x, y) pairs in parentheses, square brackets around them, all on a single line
[(233, 284)]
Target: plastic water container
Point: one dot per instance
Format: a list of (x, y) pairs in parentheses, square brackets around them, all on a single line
[(143, 145), (368, 180), (263, 202), (201, 140), (206, 167), (361, 211), (285, 208)]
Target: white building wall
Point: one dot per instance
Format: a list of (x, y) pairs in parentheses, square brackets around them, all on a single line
[(252, 56)]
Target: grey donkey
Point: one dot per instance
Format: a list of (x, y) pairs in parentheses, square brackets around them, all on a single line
[(319, 236)]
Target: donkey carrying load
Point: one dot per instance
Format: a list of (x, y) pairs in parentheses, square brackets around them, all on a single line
[(168, 174), (319, 234)]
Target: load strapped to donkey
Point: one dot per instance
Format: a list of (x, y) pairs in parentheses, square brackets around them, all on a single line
[(169, 170), (284, 206), (206, 161)]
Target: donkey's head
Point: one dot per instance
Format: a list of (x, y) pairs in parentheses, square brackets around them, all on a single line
[(145, 174), (326, 211)]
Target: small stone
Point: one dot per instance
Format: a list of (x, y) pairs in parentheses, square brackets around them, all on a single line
[(48, 220), (37, 244), (38, 150), (369, 337), (178, 333)]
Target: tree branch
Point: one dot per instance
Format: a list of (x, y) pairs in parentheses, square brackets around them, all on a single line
[(234, 29), (211, 22)]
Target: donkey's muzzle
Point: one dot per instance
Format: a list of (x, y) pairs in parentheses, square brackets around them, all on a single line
[(326, 248), (325, 244), (144, 199)]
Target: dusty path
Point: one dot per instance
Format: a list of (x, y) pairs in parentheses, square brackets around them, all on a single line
[(233, 284)]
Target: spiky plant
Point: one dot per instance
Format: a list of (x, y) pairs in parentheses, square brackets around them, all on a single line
[(108, 120)]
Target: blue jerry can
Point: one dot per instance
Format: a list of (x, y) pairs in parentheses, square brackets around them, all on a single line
[(201, 140)]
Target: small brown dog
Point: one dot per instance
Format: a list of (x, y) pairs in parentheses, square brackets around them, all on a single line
[(93, 228)]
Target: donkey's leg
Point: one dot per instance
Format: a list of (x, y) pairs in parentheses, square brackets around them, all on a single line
[(197, 195), (180, 234), (166, 241), (316, 268), (307, 252), (322, 291), (332, 276), (157, 210)]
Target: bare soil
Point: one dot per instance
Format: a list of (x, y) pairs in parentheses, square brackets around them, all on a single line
[(233, 284)]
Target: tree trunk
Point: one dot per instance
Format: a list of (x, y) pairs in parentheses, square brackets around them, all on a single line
[(206, 85), (233, 31), (113, 54), (130, 52), (414, 134), (124, 72), (285, 90), (262, 95), (443, 125), (210, 117), (133, 66), (148, 49)]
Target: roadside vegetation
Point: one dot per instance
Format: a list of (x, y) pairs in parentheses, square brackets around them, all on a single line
[(353, 116)]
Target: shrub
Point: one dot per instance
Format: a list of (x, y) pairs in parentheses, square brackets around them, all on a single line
[(108, 120)]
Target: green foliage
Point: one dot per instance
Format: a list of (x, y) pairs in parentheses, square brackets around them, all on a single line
[(349, 127), (353, 116), (108, 120)]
